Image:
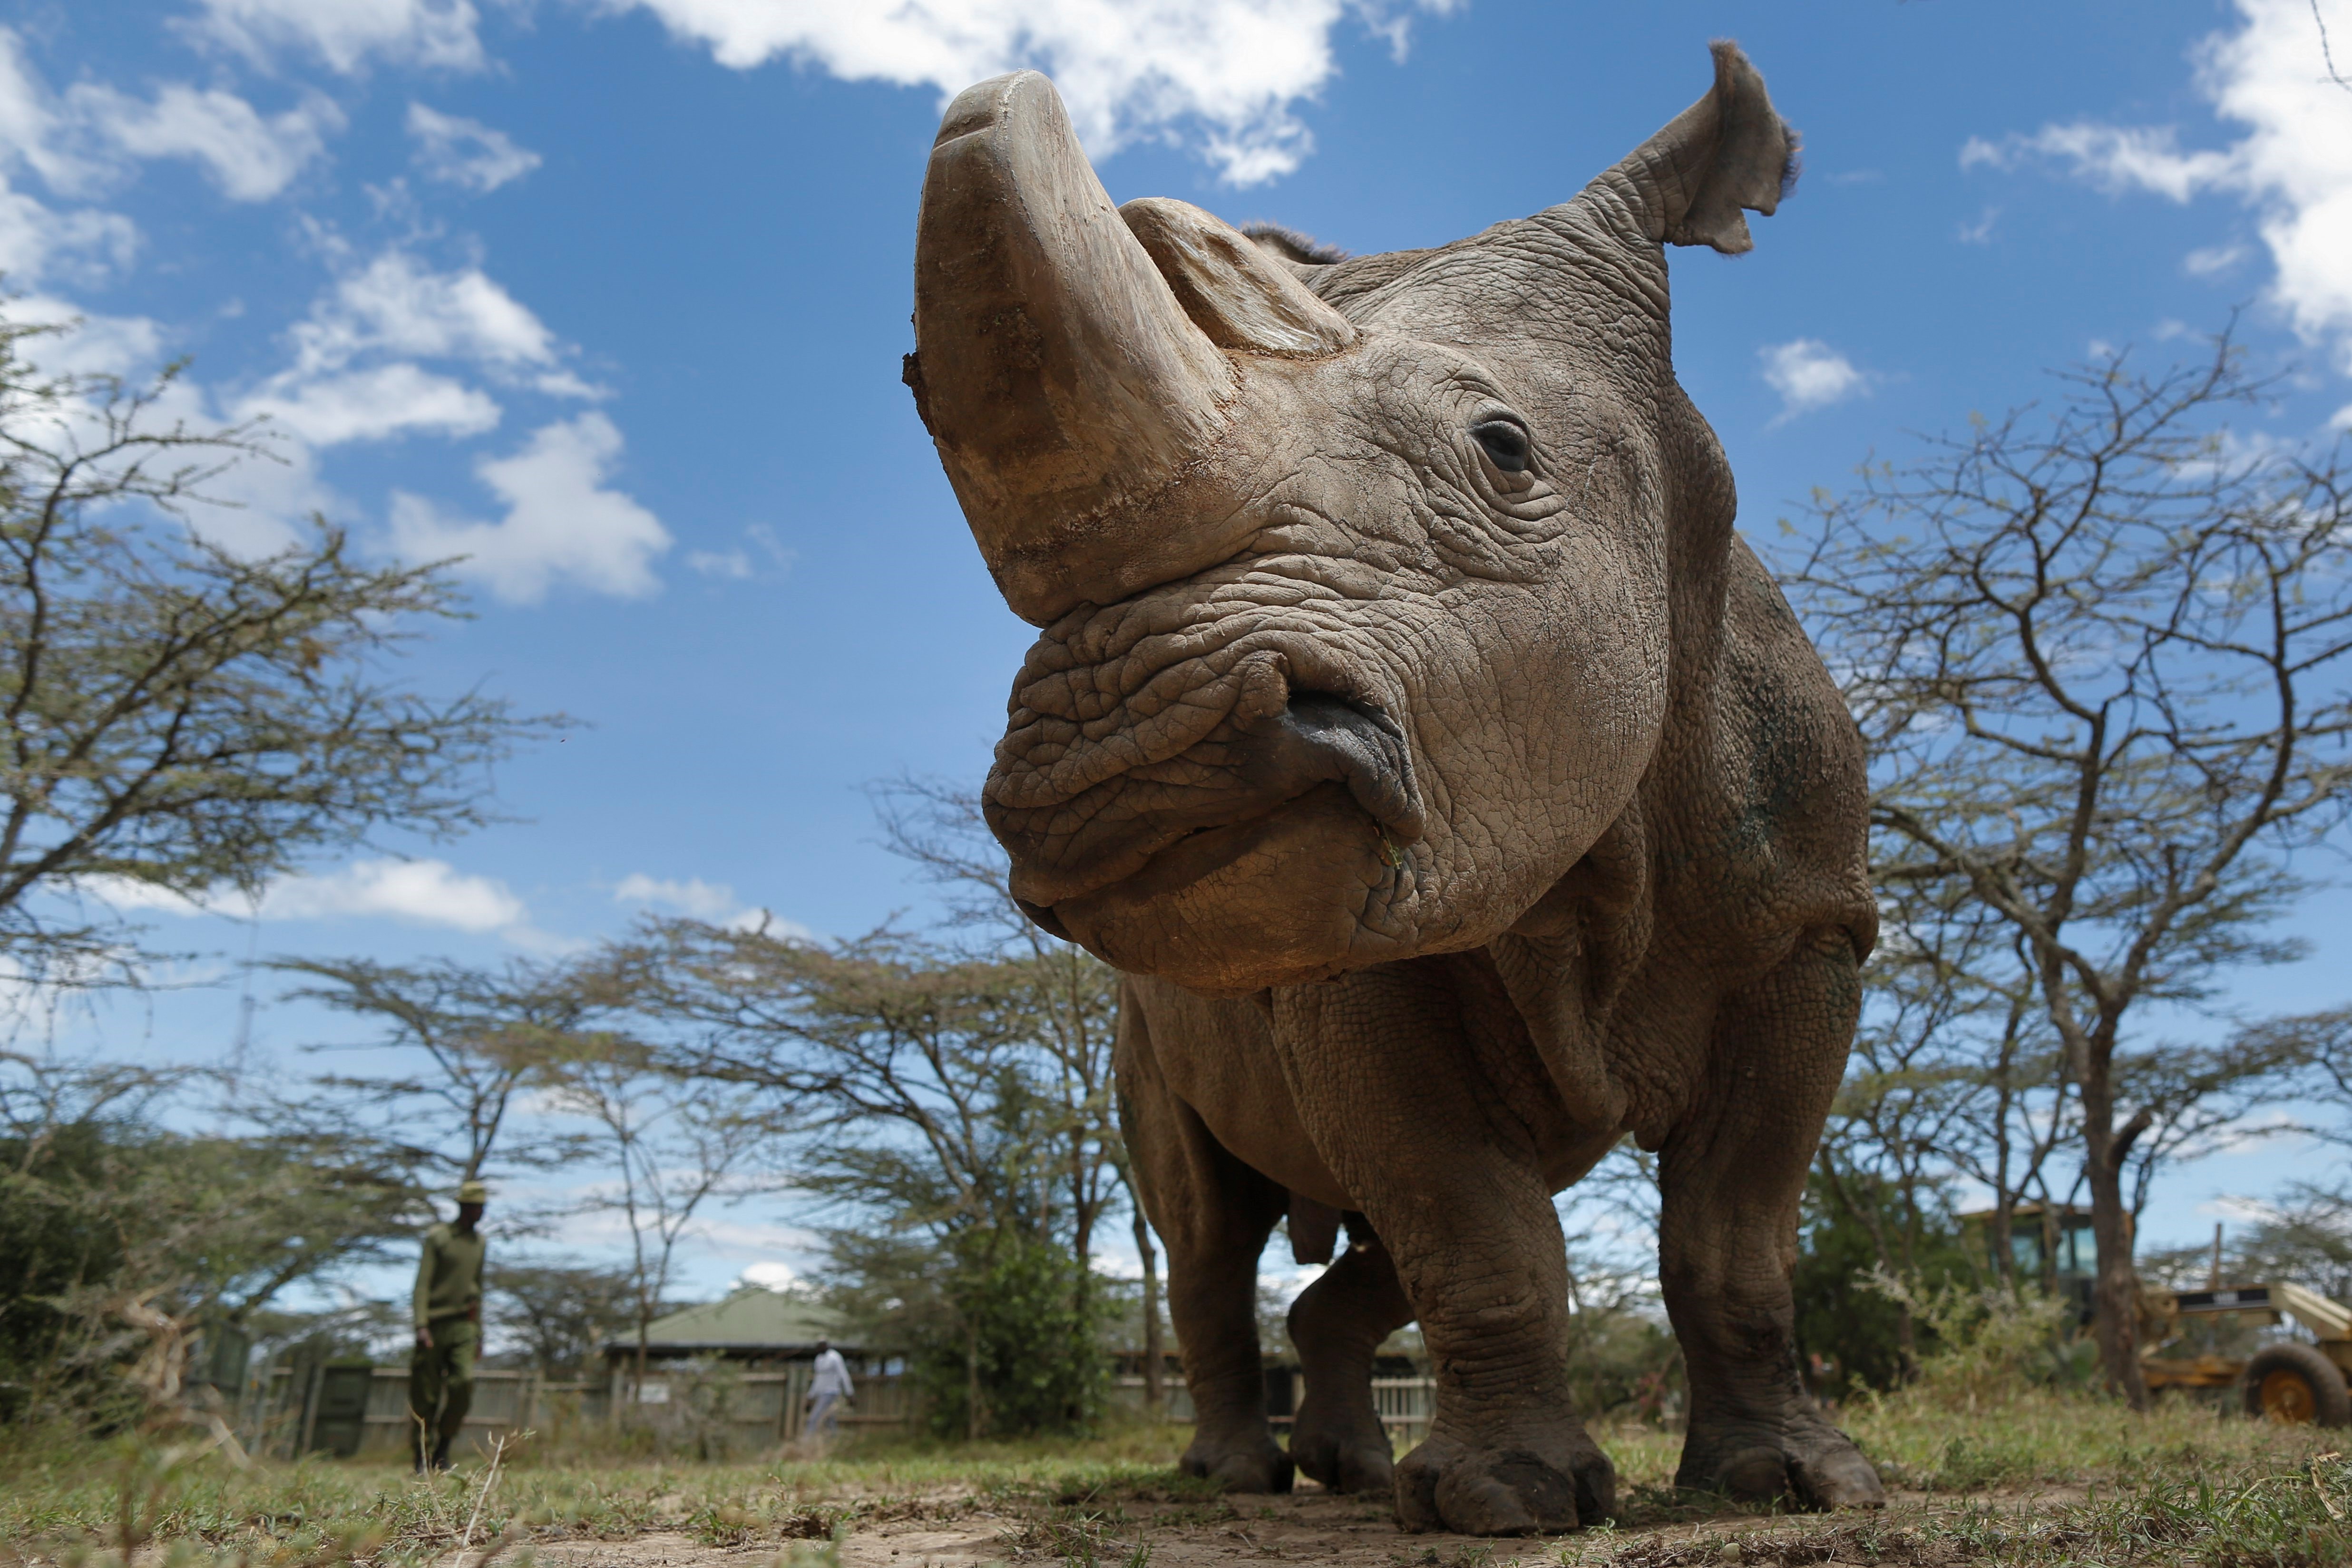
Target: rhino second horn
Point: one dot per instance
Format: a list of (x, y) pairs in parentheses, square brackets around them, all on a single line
[(1237, 293), (1058, 374)]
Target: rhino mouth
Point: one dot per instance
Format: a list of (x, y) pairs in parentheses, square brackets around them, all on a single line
[(1319, 741)]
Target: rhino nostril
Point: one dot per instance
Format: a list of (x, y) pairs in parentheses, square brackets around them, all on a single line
[(1326, 709), (1332, 737)]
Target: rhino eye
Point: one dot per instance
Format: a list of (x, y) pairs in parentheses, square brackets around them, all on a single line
[(1505, 443)]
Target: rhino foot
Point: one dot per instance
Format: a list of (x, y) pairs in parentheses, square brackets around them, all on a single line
[(1539, 1489), (1252, 1464), (1343, 1454), (1815, 1464)]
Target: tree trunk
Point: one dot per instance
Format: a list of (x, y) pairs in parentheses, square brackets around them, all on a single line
[(1151, 1350), (972, 1382), (2114, 1297), (1082, 1246), (1997, 1236), (645, 1326), (1906, 1329)]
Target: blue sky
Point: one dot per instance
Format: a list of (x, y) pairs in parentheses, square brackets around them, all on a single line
[(611, 295)]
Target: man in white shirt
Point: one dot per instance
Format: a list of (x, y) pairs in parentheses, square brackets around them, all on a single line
[(829, 1390)]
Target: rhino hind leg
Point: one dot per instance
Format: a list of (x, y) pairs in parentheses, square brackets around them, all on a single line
[(1213, 1215), (1730, 1180), (1337, 1323)]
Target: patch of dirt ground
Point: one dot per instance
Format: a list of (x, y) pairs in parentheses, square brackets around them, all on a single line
[(1312, 1526)]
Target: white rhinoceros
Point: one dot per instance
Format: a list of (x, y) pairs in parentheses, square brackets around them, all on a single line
[(1454, 786)]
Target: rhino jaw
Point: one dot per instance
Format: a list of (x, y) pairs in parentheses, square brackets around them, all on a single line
[(1277, 899), (1316, 805)]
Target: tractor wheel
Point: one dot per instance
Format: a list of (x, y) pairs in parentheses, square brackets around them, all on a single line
[(2295, 1385)]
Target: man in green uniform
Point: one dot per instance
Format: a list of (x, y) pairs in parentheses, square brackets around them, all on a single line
[(448, 1328)]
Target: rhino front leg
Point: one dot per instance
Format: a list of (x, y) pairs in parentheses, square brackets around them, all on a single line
[(1730, 1180), (1397, 1104), (1337, 1323), (1213, 1214)]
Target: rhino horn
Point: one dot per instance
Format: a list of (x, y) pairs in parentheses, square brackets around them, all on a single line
[(1687, 185), (1056, 369), (1232, 287)]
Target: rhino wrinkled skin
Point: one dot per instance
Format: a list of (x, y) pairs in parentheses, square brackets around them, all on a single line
[(1452, 786)]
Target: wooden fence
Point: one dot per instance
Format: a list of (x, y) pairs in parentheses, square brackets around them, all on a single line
[(1406, 1405), (717, 1409), (713, 1409)]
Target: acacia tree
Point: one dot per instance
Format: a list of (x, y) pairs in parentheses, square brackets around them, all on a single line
[(2322, 1042), (1070, 999), (2097, 650), (934, 1125), (104, 1209), (560, 1312), (1954, 1075), (176, 716), (1911, 1087), (480, 1033), (671, 1142)]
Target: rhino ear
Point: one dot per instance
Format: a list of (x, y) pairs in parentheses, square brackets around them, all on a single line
[(1234, 291), (1687, 185)]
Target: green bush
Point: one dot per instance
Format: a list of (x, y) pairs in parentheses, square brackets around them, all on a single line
[(1852, 1331), (1990, 1343), (1024, 1332)]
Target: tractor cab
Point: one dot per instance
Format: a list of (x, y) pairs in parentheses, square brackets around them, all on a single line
[(2051, 1245)]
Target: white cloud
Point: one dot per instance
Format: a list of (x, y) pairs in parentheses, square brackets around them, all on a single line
[(38, 242), (423, 891), (2249, 1134), (2212, 260), (461, 152), (739, 564), (367, 405), (732, 564), (131, 347), (29, 124), (353, 375), (78, 141), (1226, 72), (562, 524), (250, 158), (397, 305), (701, 900), (769, 1275), (426, 891), (2293, 166), (713, 903), (130, 894), (346, 33), (2113, 157), (256, 499), (1810, 375)]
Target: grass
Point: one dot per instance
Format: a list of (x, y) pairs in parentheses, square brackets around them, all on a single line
[(2041, 1480), (66, 1493)]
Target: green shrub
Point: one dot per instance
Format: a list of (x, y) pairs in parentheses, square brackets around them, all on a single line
[(1024, 1334), (1988, 1343)]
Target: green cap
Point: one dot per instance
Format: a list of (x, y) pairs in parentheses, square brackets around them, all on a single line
[(473, 1192)]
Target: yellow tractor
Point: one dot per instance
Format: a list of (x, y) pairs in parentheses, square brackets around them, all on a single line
[(2286, 1380)]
